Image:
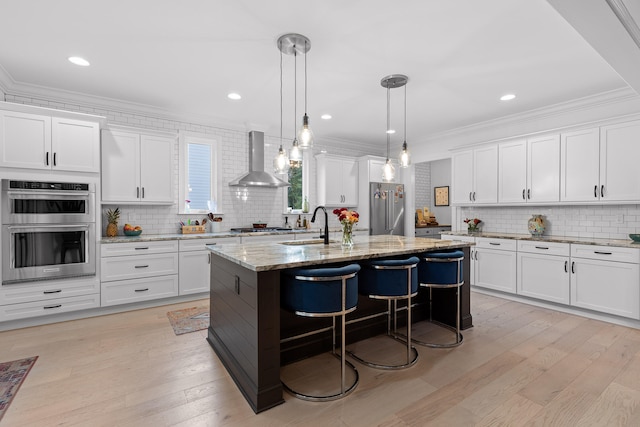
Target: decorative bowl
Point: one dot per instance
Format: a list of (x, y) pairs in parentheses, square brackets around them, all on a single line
[(132, 232), (635, 237)]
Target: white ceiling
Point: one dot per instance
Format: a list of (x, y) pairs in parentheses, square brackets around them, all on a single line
[(184, 57)]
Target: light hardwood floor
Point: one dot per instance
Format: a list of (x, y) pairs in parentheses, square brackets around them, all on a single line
[(519, 365)]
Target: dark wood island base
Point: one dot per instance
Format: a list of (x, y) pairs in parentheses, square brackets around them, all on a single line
[(247, 322)]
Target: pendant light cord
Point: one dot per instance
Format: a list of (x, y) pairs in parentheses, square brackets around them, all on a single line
[(405, 113), (305, 77), (388, 121), (295, 90), (281, 99)]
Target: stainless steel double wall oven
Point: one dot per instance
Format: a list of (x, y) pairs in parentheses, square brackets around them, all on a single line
[(48, 230)]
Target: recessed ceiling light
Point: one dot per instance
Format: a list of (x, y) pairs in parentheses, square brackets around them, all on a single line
[(234, 96), (507, 97), (326, 117), (79, 61), (391, 131)]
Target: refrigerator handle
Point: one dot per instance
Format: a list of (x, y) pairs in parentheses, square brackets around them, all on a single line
[(392, 214)]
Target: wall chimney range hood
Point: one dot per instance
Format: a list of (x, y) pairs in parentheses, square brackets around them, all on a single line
[(257, 177)]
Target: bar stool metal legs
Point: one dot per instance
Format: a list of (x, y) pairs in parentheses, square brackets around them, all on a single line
[(383, 283), (303, 304), (441, 275)]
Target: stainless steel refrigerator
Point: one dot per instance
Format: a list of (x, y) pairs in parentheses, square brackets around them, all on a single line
[(386, 208)]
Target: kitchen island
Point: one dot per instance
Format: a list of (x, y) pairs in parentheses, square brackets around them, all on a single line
[(247, 322)]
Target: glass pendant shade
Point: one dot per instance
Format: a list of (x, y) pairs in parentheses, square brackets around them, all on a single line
[(281, 162), (295, 154), (388, 172), (305, 136), (404, 158)]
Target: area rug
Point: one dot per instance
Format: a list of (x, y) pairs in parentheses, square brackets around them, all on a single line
[(189, 319), (12, 374)]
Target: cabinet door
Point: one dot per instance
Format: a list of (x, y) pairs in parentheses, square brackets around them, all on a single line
[(350, 183), (580, 166), (543, 169), (194, 272), (333, 182), (512, 172), (485, 172), (75, 145), (462, 177), (495, 269), (544, 277), (619, 153), (120, 166), (156, 169), (25, 140), (606, 286)]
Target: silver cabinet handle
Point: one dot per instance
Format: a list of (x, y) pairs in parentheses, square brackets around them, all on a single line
[(142, 248), (494, 243), (470, 198), (208, 258), (474, 196)]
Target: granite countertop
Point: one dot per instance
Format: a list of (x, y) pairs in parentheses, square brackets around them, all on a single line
[(557, 239), (223, 234), (277, 256)]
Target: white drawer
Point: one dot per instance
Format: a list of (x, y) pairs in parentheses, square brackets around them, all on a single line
[(133, 267), (469, 239), (140, 248), (197, 244), (500, 244), (544, 248), (44, 308), (127, 291), (48, 290), (606, 253)]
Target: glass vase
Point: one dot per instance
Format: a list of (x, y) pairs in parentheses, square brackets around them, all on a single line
[(347, 235)]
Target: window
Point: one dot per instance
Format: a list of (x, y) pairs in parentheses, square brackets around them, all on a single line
[(199, 174), (298, 178)]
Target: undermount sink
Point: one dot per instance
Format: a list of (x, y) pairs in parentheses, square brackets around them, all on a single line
[(306, 242)]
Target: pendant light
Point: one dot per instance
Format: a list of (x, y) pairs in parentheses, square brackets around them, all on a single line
[(292, 44), (281, 162), (405, 158), (305, 136), (390, 82)]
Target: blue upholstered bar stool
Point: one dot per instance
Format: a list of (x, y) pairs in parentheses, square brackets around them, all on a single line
[(391, 280), (442, 270), (323, 292)]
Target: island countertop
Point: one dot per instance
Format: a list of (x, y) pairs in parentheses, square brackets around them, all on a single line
[(281, 255)]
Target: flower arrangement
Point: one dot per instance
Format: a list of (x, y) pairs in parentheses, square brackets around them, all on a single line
[(347, 218), (472, 224)]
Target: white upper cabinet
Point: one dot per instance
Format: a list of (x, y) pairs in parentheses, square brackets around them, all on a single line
[(35, 141), (529, 170), (337, 181), (475, 176), (599, 164), (580, 166), (137, 168), (619, 154)]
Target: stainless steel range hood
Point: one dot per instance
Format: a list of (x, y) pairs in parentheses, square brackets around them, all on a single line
[(257, 177)]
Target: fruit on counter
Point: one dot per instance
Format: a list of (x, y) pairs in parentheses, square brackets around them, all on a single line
[(129, 227), (112, 218)]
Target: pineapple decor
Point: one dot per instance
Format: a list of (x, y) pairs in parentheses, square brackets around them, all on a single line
[(112, 217)]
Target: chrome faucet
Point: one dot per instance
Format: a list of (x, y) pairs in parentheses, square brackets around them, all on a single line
[(326, 223)]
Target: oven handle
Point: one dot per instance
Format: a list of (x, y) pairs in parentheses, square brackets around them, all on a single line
[(27, 194), (18, 227)]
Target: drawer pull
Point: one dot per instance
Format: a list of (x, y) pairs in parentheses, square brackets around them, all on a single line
[(565, 266), (602, 253), (57, 291), (141, 266), (541, 247), (141, 290), (573, 267), (47, 307), (494, 243), (142, 248), (523, 198)]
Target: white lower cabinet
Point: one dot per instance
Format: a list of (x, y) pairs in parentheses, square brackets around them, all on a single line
[(133, 272), (543, 270), (472, 253), (195, 261), (495, 264), (606, 279)]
